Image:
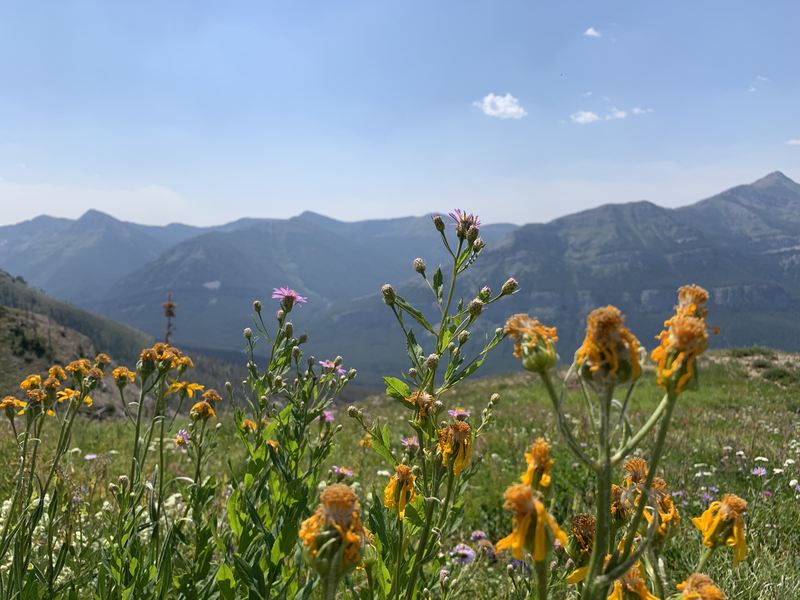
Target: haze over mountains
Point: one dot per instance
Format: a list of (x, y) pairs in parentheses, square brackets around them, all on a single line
[(743, 245)]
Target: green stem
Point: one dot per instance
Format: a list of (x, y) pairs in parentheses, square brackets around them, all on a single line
[(449, 296), (704, 559), (448, 494), (642, 433), (421, 549), (395, 589), (542, 579), (562, 424), (135, 456)]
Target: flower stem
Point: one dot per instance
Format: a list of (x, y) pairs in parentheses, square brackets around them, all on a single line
[(542, 579), (704, 559)]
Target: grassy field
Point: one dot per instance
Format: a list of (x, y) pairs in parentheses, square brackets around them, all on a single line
[(740, 433)]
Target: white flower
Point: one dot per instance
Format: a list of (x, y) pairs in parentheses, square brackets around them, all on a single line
[(793, 483), (777, 471), (698, 465), (698, 474), (788, 461), (740, 453), (727, 448), (707, 473), (384, 473), (761, 459)]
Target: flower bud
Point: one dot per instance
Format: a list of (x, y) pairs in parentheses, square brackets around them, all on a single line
[(296, 352), (278, 381), (257, 306), (419, 265), (337, 361), (412, 372), (509, 286), (288, 328), (438, 222), (475, 307), (478, 245), (352, 412), (388, 294), (113, 488), (495, 398), (351, 374), (451, 347), (444, 574), (485, 293), (228, 386), (432, 361), (248, 333), (463, 337), (279, 315), (510, 569), (123, 481), (473, 233), (438, 407)]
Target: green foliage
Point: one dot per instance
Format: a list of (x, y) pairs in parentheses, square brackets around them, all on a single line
[(736, 352)]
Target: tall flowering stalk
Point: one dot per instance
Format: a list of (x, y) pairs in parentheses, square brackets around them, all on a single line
[(430, 479)]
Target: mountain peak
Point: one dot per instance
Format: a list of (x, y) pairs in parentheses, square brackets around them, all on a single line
[(95, 217), (774, 178)]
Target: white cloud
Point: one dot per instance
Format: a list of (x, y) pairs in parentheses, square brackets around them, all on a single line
[(586, 94), (606, 98), (502, 107), (640, 111), (616, 114), (760, 78), (583, 117), (752, 89), (794, 142), (591, 32)]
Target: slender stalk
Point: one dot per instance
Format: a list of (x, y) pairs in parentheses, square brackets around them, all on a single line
[(449, 296), (447, 497), (421, 549), (642, 433), (394, 591), (542, 579), (563, 427), (135, 455), (701, 564), (19, 485)]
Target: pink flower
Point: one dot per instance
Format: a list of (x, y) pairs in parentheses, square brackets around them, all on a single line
[(288, 297), (459, 414), (330, 367), (326, 416)]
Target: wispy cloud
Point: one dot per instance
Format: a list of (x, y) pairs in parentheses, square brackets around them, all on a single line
[(616, 114), (592, 32), (752, 89), (640, 111), (761, 78), (583, 117), (586, 94), (502, 107), (794, 142)]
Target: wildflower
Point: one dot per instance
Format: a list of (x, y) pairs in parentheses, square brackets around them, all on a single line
[(438, 222), (326, 416), (619, 510), (329, 367), (509, 286), (629, 584), (462, 554), (211, 395), (202, 410), (636, 471), (182, 439), (10, 404), (184, 388), (580, 545), (681, 344), (475, 307), (668, 514), (539, 465), (333, 537), (610, 345), (759, 471), (411, 443), (477, 536), (31, 382), (274, 444), (419, 265), (463, 222), (77, 367), (459, 414), (147, 362), (51, 384), (101, 359), (532, 525), (57, 372), (366, 442), (458, 444), (249, 425), (534, 343), (422, 400), (722, 525), (342, 472), (400, 490), (121, 376), (389, 295), (288, 297), (90, 457), (700, 587), (761, 459), (185, 361), (68, 394)]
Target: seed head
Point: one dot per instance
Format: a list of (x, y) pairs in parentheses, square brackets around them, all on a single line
[(279, 315), (432, 361), (248, 333), (412, 372)]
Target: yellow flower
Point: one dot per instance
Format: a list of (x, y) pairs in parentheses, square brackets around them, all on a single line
[(681, 344), (57, 372), (629, 584), (636, 471), (539, 464), (722, 524), (422, 400), (10, 404), (457, 442), (102, 359), (669, 517), (31, 382), (700, 587), (203, 410), (619, 510), (51, 384), (37, 395), (211, 395), (81, 366), (534, 343), (580, 545), (366, 442), (149, 355), (249, 425), (185, 361), (531, 524), (400, 490), (68, 394), (338, 514), (120, 373), (605, 339), (274, 444), (184, 388)]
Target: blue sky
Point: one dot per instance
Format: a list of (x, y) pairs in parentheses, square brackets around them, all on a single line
[(204, 112)]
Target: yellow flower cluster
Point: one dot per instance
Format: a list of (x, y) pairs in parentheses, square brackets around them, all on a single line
[(605, 338)]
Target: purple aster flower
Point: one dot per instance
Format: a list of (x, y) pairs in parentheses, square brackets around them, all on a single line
[(681, 493), (768, 493), (462, 554), (330, 367), (410, 442), (477, 535), (712, 489), (759, 471), (90, 457), (705, 498), (182, 439), (464, 220), (288, 297), (459, 414), (326, 416), (520, 565), (342, 472)]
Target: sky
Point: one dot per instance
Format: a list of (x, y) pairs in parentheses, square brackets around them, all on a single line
[(206, 112)]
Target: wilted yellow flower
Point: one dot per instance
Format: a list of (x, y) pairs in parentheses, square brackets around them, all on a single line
[(700, 587), (539, 464), (57, 372), (338, 515), (249, 425), (668, 514), (580, 545), (534, 343), (629, 584), (184, 388), (636, 471), (531, 524), (422, 400), (51, 384), (457, 441), (31, 382), (120, 373), (274, 444), (70, 395), (722, 525), (618, 509), (149, 355), (400, 490), (37, 395), (211, 395), (605, 338), (185, 361), (203, 410), (95, 374), (681, 344), (366, 442)]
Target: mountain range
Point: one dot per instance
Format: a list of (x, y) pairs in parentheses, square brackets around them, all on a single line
[(743, 245)]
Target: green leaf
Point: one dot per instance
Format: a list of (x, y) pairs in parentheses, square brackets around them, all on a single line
[(415, 314), (396, 388), (414, 351), (438, 284), (380, 446)]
